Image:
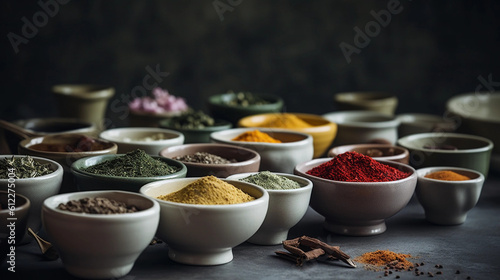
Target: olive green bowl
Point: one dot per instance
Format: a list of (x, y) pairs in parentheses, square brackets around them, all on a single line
[(86, 181), (220, 109), (196, 135)]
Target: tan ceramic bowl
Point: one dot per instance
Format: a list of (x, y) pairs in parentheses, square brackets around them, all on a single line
[(247, 160), (389, 152), (358, 208), (381, 102), (323, 131)]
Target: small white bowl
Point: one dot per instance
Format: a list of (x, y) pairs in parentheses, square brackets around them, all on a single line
[(361, 127), (282, 157), (448, 202), (205, 234), (36, 189), (286, 208), (100, 245), (127, 139)]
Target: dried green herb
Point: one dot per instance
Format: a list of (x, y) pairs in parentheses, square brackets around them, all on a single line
[(271, 181), (192, 120), (246, 99), (23, 167), (133, 164)]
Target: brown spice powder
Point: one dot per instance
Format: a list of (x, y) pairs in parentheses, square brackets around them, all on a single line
[(386, 258)]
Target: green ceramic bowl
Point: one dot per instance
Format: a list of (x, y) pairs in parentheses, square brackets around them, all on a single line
[(86, 181), (220, 109), (196, 135)]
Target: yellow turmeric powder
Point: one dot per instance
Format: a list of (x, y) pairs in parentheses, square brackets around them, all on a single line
[(447, 175), (208, 190), (285, 120), (256, 136)]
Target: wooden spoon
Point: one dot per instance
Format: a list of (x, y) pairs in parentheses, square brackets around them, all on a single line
[(48, 251)]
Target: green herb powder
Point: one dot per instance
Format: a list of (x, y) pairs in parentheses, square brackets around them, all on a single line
[(133, 164), (271, 181), (23, 167)]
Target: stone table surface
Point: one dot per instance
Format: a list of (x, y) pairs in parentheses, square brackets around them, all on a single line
[(472, 248)]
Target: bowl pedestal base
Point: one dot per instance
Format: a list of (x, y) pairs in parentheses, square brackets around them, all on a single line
[(373, 227), (213, 257)]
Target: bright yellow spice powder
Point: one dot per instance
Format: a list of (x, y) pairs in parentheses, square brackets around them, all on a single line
[(447, 175), (256, 136), (285, 120), (208, 190)]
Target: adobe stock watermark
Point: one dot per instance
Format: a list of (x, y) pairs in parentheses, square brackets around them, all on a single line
[(372, 29), (221, 6), (30, 28)]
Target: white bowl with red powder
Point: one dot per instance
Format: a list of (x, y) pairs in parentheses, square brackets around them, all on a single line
[(358, 208)]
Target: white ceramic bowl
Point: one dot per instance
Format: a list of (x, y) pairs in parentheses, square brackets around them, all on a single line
[(286, 208), (361, 127), (448, 202), (275, 157), (36, 189), (358, 208), (205, 234), (383, 102), (131, 138), (99, 245), (413, 123)]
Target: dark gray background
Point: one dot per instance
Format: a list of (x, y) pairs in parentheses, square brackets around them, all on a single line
[(428, 52)]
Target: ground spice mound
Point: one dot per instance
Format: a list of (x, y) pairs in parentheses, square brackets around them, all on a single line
[(386, 258), (356, 167), (256, 136), (285, 120), (208, 190)]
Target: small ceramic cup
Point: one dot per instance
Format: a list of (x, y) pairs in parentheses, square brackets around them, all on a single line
[(14, 215), (448, 202)]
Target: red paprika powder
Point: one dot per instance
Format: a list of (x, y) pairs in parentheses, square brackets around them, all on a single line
[(356, 167)]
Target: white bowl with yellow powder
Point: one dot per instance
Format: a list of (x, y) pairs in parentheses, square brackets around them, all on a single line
[(204, 234), (289, 197), (295, 147)]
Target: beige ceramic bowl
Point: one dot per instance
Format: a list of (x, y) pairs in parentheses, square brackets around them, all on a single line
[(448, 202), (322, 131), (286, 208), (282, 157), (247, 160), (376, 151), (431, 149), (129, 139), (36, 189), (205, 234), (413, 123), (361, 127), (97, 246), (21, 206), (381, 102), (358, 208)]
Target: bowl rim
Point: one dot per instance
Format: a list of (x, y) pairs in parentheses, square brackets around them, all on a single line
[(404, 152), (218, 125), (104, 135), (296, 178), (57, 172), (406, 142), (421, 172), (87, 126), (77, 171), (382, 97), (455, 101), (92, 91), (307, 137), (256, 157), (24, 144), (389, 121), (318, 161), (47, 206), (218, 207), (25, 205), (276, 101)]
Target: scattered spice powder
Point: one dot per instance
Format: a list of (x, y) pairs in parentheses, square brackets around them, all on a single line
[(386, 258), (356, 167), (256, 136), (208, 190), (285, 120), (447, 175)]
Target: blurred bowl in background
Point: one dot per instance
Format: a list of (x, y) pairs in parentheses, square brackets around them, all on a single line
[(448, 149), (448, 202), (150, 139), (86, 181), (361, 127), (322, 130), (226, 106), (381, 102), (376, 151), (247, 160), (413, 123), (282, 157), (196, 135)]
